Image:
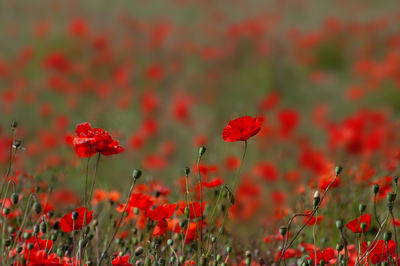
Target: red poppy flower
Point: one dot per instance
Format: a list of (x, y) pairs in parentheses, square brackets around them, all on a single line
[(241, 129), (67, 224), (289, 253), (90, 141), (162, 212), (380, 252), (121, 261), (326, 255), (355, 225), (195, 209)]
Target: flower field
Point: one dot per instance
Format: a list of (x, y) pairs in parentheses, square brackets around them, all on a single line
[(178, 132)]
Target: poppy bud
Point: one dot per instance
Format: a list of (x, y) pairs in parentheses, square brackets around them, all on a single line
[(248, 254), (43, 228), (75, 215), (14, 198), (170, 242), (213, 239), (56, 225), (282, 230), (339, 224), (139, 251), (172, 260), (187, 212), (317, 199), (391, 197), (339, 247), (37, 207), (228, 249), (17, 144), (338, 170), (60, 252), (13, 124), (7, 242), (218, 258), (53, 237), (36, 229), (181, 259), (322, 263), (19, 249), (387, 236), (26, 235), (375, 188), (6, 211), (136, 210), (136, 174), (363, 226), (362, 207), (202, 150), (30, 246), (186, 171)]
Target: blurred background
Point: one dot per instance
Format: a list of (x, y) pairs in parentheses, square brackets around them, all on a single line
[(165, 77)]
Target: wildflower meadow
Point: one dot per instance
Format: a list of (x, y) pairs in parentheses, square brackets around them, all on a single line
[(199, 132)]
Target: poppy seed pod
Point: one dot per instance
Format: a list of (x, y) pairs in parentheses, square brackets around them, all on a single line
[(282, 230), (322, 263), (338, 170), (14, 198), (136, 174), (396, 179), (31, 246), (202, 150), (186, 171), (391, 197), (37, 207), (7, 242), (75, 215), (362, 207), (339, 224), (375, 188)]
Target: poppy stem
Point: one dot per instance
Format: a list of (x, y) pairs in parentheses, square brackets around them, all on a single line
[(94, 177), (201, 204), (315, 238), (375, 212), (311, 216), (119, 222), (395, 234)]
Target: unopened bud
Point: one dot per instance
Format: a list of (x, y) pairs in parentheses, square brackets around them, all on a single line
[(136, 174), (362, 207), (202, 150), (338, 170), (282, 230)]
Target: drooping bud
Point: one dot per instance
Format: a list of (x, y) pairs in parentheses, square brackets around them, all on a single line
[(317, 198), (139, 251), (14, 198)]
